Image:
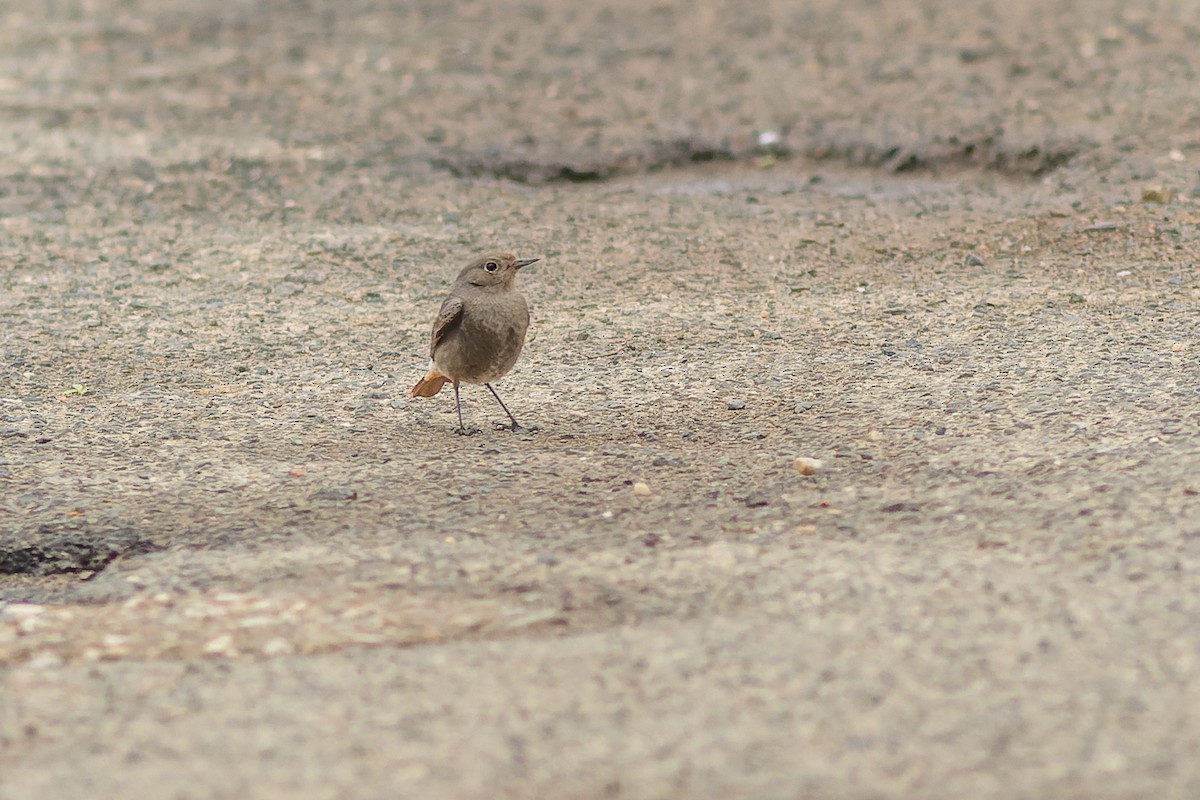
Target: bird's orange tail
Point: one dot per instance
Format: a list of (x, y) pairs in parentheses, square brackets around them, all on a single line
[(430, 385)]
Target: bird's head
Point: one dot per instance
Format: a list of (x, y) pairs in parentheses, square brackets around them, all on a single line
[(496, 269)]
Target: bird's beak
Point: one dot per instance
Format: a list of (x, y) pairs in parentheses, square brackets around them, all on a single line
[(525, 262)]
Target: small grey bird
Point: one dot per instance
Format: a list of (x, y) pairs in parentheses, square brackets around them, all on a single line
[(479, 331)]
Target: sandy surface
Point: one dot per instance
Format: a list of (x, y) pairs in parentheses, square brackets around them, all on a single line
[(954, 255)]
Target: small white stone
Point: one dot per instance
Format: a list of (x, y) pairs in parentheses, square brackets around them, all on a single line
[(277, 647), (808, 466), (641, 489), (222, 645), (45, 661), (23, 610)]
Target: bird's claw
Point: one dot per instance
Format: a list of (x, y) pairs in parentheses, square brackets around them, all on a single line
[(515, 428)]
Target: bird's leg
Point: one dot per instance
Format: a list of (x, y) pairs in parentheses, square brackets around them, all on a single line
[(461, 430), (516, 426)]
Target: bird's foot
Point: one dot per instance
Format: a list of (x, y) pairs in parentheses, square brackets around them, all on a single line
[(516, 428), (465, 431)]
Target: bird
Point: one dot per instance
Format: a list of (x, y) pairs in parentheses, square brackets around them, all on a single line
[(479, 331)]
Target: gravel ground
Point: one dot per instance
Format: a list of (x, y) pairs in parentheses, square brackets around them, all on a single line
[(953, 255)]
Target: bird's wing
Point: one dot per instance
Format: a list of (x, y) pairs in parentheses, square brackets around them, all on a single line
[(447, 320)]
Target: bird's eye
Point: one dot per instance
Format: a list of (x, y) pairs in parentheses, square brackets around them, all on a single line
[(491, 266)]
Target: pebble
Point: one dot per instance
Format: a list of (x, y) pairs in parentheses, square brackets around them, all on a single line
[(768, 138), (335, 493), (1158, 194), (221, 645), (735, 405), (45, 661), (973, 260), (808, 466), (641, 489), (277, 647), (23, 610)]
